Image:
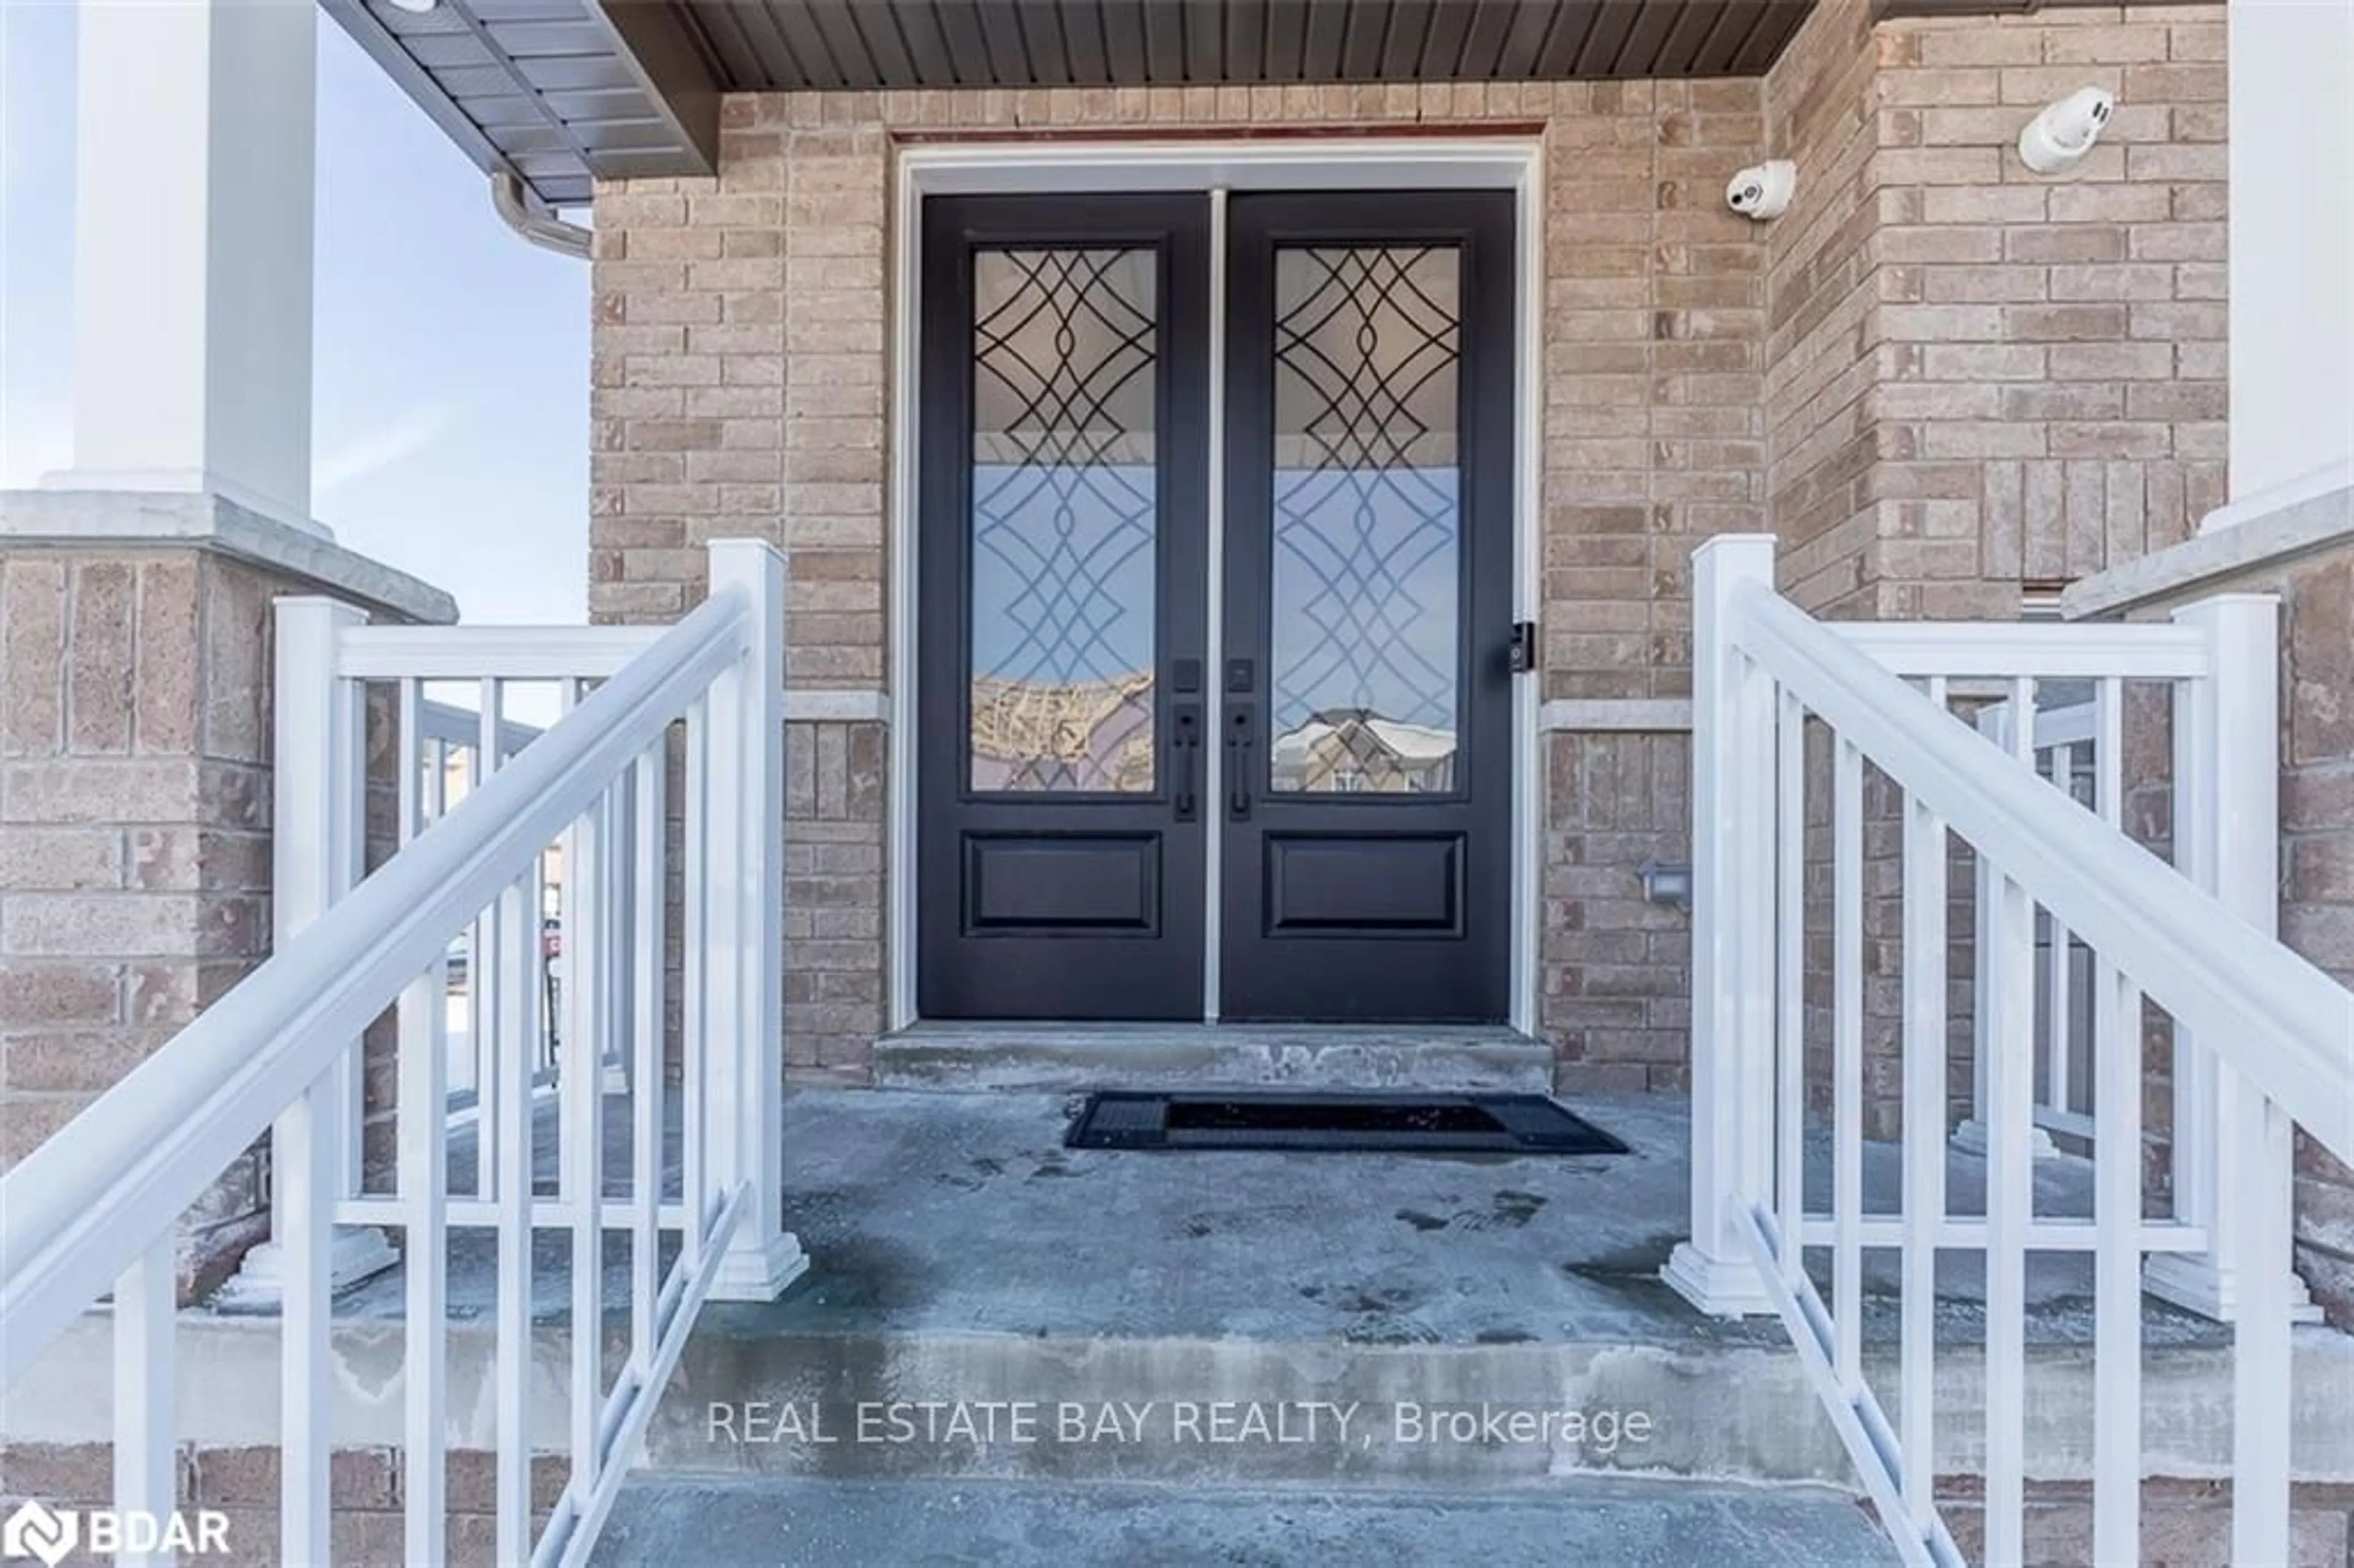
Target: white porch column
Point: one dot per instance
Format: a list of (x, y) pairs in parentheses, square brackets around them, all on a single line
[(192, 252), (1732, 940), (2291, 134)]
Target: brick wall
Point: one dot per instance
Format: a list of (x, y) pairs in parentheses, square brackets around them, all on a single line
[(1937, 377), (135, 862), (740, 368), (242, 1485), (1821, 97), (1980, 376)]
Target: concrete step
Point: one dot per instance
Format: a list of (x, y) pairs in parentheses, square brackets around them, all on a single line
[(1049, 1055), (838, 1524)]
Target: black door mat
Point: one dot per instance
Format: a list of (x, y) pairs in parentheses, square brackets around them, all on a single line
[(1336, 1123)]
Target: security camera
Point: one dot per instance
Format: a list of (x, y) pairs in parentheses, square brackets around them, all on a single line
[(1763, 190), (2066, 131)]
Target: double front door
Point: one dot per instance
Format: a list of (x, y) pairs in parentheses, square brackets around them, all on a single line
[(1192, 745)]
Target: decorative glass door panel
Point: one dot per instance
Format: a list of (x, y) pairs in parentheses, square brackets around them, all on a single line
[(1063, 600), (1367, 533), (1365, 719), (1064, 503)]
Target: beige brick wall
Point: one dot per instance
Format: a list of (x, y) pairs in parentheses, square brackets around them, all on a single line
[(741, 368), (242, 1485), (1936, 376), (134, 802), (1981, 377)]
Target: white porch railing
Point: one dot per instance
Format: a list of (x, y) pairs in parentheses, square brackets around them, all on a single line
[(2265, 1039), (691, 1176)]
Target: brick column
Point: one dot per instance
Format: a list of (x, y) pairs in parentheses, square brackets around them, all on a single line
[(134, 793)]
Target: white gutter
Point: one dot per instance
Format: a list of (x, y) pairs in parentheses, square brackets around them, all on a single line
[(526, 215)]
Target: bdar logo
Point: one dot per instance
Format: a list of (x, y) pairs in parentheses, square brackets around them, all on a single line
[(35, 1531)]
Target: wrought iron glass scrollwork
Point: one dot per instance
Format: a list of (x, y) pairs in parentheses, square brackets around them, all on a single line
[(1065, 502), (1368, 526)]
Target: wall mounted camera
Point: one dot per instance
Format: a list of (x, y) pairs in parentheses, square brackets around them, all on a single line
[(1763, 190), (2066, 130)]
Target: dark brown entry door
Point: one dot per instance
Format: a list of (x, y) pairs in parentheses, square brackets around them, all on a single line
[(1365, 684), (1061, 856)]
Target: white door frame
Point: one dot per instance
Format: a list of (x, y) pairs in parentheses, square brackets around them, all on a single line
[(1513, 163)]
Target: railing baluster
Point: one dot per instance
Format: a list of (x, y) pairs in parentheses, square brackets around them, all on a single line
[(518, 921), (695, 1048), (1995, 723), (2260, 1134), (612, 939), (1926, 963), (304, 1171), (422, 1176), (582, 1087), (2116, 1196), (569, 1000), (1847, 1057), (486, 975), (2117, 1269), (146, 1458), (2058, 1063), (647, 1025), (2010, 1178), (1789, 982), (2108, 751), (2010, 963)]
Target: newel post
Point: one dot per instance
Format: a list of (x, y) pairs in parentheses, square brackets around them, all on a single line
[(1732, 937), (744, 928), (318, 853), (2227, 840)]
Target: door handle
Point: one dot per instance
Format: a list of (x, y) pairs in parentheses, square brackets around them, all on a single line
[(1238, 749), (1184, 743)]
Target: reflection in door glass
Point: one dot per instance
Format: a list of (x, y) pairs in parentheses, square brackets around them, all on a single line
[(1064, 519), (1368, 522)]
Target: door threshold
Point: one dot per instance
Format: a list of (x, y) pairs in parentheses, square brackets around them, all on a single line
[(1060, 1055)]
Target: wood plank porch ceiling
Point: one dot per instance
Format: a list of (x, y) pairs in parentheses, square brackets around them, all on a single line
[(565, 92)]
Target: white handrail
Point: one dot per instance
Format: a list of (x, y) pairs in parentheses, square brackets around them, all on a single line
[(82, 1206), (2289, 1027), (2260, 1036)]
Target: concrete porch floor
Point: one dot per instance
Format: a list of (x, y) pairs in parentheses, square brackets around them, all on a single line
[(963, 1213)]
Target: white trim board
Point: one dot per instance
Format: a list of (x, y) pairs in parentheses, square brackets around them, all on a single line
[(1507, 162)]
